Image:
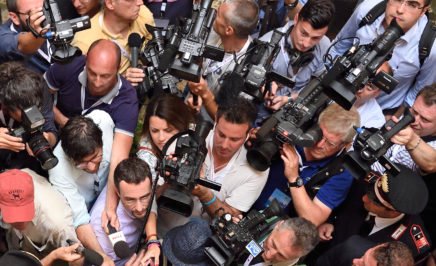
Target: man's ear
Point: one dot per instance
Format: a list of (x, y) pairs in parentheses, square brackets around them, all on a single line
[(296, 19), (14, 17), (230, 31), (109, 4)]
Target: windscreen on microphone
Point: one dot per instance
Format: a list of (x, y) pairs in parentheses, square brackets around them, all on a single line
[(134, 40), (118, 241), (92, 257)]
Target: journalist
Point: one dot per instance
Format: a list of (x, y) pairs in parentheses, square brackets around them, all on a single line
[(284, 244), (23, 89)]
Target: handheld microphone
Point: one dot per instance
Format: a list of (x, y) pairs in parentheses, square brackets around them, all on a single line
[(134, 43), (118, 241), (90, 256)]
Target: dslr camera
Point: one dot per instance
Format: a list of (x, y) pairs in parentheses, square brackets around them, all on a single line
[(31, 133)]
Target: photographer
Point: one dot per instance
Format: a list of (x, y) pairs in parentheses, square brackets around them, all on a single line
[(289, 176), (301, 52), (22, 89), (227, 165), (288, 240), (17, 42), (234, 22), (410, 70)]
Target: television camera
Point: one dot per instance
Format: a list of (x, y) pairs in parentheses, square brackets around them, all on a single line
[(229, 239), (184, 172), (371, 146), (61, 32), (353, 70), (189, 43)]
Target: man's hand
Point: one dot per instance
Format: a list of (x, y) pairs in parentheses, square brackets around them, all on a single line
[(107, 261), (67, 253), (136, 260), (200, 88), (190, 103), (36, 17), (134, 75), (325, 231), (151, 257), (109, 216), (9, 142), (290, 160)]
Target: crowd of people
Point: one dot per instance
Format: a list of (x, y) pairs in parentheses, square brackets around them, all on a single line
[(75, 182)]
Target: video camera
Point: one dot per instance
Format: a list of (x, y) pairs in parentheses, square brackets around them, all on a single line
[(61, 32), (353, 70), (189, 42), (295, 123), (31, 133), (229, 239), (157, 81), (370, 147), (190, 152), (256, 67)]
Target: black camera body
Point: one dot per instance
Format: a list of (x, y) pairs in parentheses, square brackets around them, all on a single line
[(61, 32), (157, 81), (190, 45), (370, 147), (31, 133), (256, 67), (353, 70), (229, 239), (295, 123), (184, 172)]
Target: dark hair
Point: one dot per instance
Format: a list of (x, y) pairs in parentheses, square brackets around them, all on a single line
[(237, 111), (243, 16), (132, 171), (103, 43), (12, 5), (21, 88), (428, 94), (393, 253), (318, 13), (169, 108), (80, 137), (427, 2)]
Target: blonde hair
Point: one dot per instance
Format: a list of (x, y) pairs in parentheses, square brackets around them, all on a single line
[(337, 120)]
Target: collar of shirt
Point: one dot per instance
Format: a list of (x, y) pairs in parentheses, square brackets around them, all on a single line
[(108, 98), (381, 223)]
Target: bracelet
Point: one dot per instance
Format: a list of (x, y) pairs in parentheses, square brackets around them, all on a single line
[(210, 201), (150, 236), (416, 146), (153, 242)]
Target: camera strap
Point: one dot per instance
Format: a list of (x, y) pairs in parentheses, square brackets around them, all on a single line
[(332, 168)]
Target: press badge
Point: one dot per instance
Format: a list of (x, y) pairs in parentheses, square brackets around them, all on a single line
[(253, 248)]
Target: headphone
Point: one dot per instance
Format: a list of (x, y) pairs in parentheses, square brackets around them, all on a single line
[(297, 58)]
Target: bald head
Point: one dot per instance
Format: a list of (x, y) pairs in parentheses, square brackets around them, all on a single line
[(102, 64)]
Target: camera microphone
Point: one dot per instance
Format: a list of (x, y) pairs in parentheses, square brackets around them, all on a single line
[(118, 241), (134, 43), (90, 256)]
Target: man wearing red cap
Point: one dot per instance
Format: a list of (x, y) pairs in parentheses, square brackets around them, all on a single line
[(32, 224)]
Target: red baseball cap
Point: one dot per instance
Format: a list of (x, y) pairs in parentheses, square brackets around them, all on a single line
[(16, 196)]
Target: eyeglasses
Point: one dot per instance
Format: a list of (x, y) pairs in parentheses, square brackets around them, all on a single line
[(132, 202), (84, 164), (409, 5), (329, 143)]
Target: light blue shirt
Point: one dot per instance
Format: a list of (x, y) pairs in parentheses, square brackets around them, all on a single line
[(405, 58), (303, 75), (81, 188)]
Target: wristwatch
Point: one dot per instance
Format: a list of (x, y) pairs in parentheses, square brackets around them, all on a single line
[(298, 183)]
